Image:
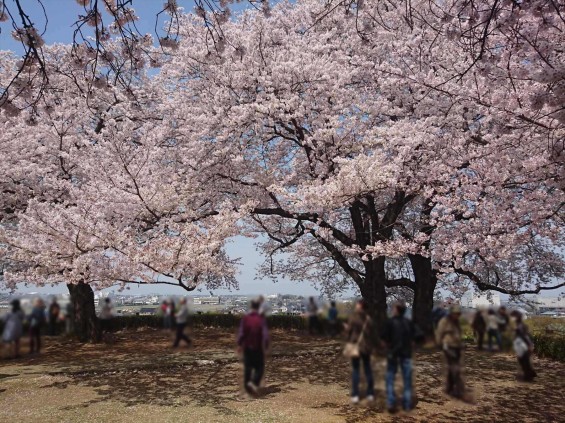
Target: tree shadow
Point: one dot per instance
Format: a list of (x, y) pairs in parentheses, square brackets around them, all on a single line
[(210, 376)]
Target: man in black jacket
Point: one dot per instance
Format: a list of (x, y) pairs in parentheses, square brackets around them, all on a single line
[(399, 335)]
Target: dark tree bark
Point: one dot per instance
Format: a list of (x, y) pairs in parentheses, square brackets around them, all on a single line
[(369, 226), (424, 288), (373, 290), (86, 325)]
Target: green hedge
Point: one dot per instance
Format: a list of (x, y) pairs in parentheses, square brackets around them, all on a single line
[(288, 322), (549, 346), (206, 320)]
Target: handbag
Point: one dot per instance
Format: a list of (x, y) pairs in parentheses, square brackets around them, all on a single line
[(351, 349), (520, 346)]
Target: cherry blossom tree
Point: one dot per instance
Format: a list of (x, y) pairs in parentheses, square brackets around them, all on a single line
[(392, 159), (96, 192), (395, 148), (98, 25)]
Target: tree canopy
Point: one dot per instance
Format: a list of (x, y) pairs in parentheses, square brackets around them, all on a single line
[(404, 145)]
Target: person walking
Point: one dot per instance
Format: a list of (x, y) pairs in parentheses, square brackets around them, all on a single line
[(53, 318), (167, 311), (438, 312), (523, 346), (181, 318), (173, 310), (313, 322), (492, 330), (70, 318), (503, 326), (359, 329), (264, 308), (332, 320), (36, 322), (253, 342), (14, 327), (399, 335), (479, 326), (106, 315), (448, 337)]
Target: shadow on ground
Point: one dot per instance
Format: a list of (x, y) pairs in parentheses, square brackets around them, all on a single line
[(141, 368)]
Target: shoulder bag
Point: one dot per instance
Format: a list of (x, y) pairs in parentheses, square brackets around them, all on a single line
[(351, 349)]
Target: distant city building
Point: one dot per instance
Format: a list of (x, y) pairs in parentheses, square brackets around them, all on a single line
[(480, 300), (206, 300), (101, 295), (549, 304)]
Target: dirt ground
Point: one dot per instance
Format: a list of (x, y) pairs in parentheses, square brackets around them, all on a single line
[(141, 378)]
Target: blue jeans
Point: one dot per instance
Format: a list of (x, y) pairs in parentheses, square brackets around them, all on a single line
[(391, 368), (355, 376), (494, 333)]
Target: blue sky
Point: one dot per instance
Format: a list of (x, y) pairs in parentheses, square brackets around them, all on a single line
[(62, 14), (239, 247)]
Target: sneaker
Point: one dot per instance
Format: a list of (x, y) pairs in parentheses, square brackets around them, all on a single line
[(355, 400), (252, 387), (370, 398)]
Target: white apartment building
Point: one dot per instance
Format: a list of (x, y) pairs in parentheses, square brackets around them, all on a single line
[(480, 299)]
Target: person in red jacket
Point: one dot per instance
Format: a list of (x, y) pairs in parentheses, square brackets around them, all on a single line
[(253, 341)]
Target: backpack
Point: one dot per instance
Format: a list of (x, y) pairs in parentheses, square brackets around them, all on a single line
[(253, 331)]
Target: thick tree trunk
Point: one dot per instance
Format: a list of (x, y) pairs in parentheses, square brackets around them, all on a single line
[(424, 288), (86, 326), (373, 291)]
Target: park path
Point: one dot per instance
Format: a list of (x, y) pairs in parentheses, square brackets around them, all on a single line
[(141, 378)]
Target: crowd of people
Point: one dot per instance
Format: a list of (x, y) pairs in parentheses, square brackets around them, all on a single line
[(397, 336), (506, 330), (39, 317), (401, 334)]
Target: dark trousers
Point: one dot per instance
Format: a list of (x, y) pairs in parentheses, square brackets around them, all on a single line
[(314, 325), (356, 376), (333, 328), (455, 384), (34, 339), (168, 322), (480, 335), (180, 335), (52, 326), (526, 365), (254, 366)]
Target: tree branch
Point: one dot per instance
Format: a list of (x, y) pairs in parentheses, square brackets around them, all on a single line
[(339, 258), (400, 282), (310, 217), (489, 287), (179, 284)]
